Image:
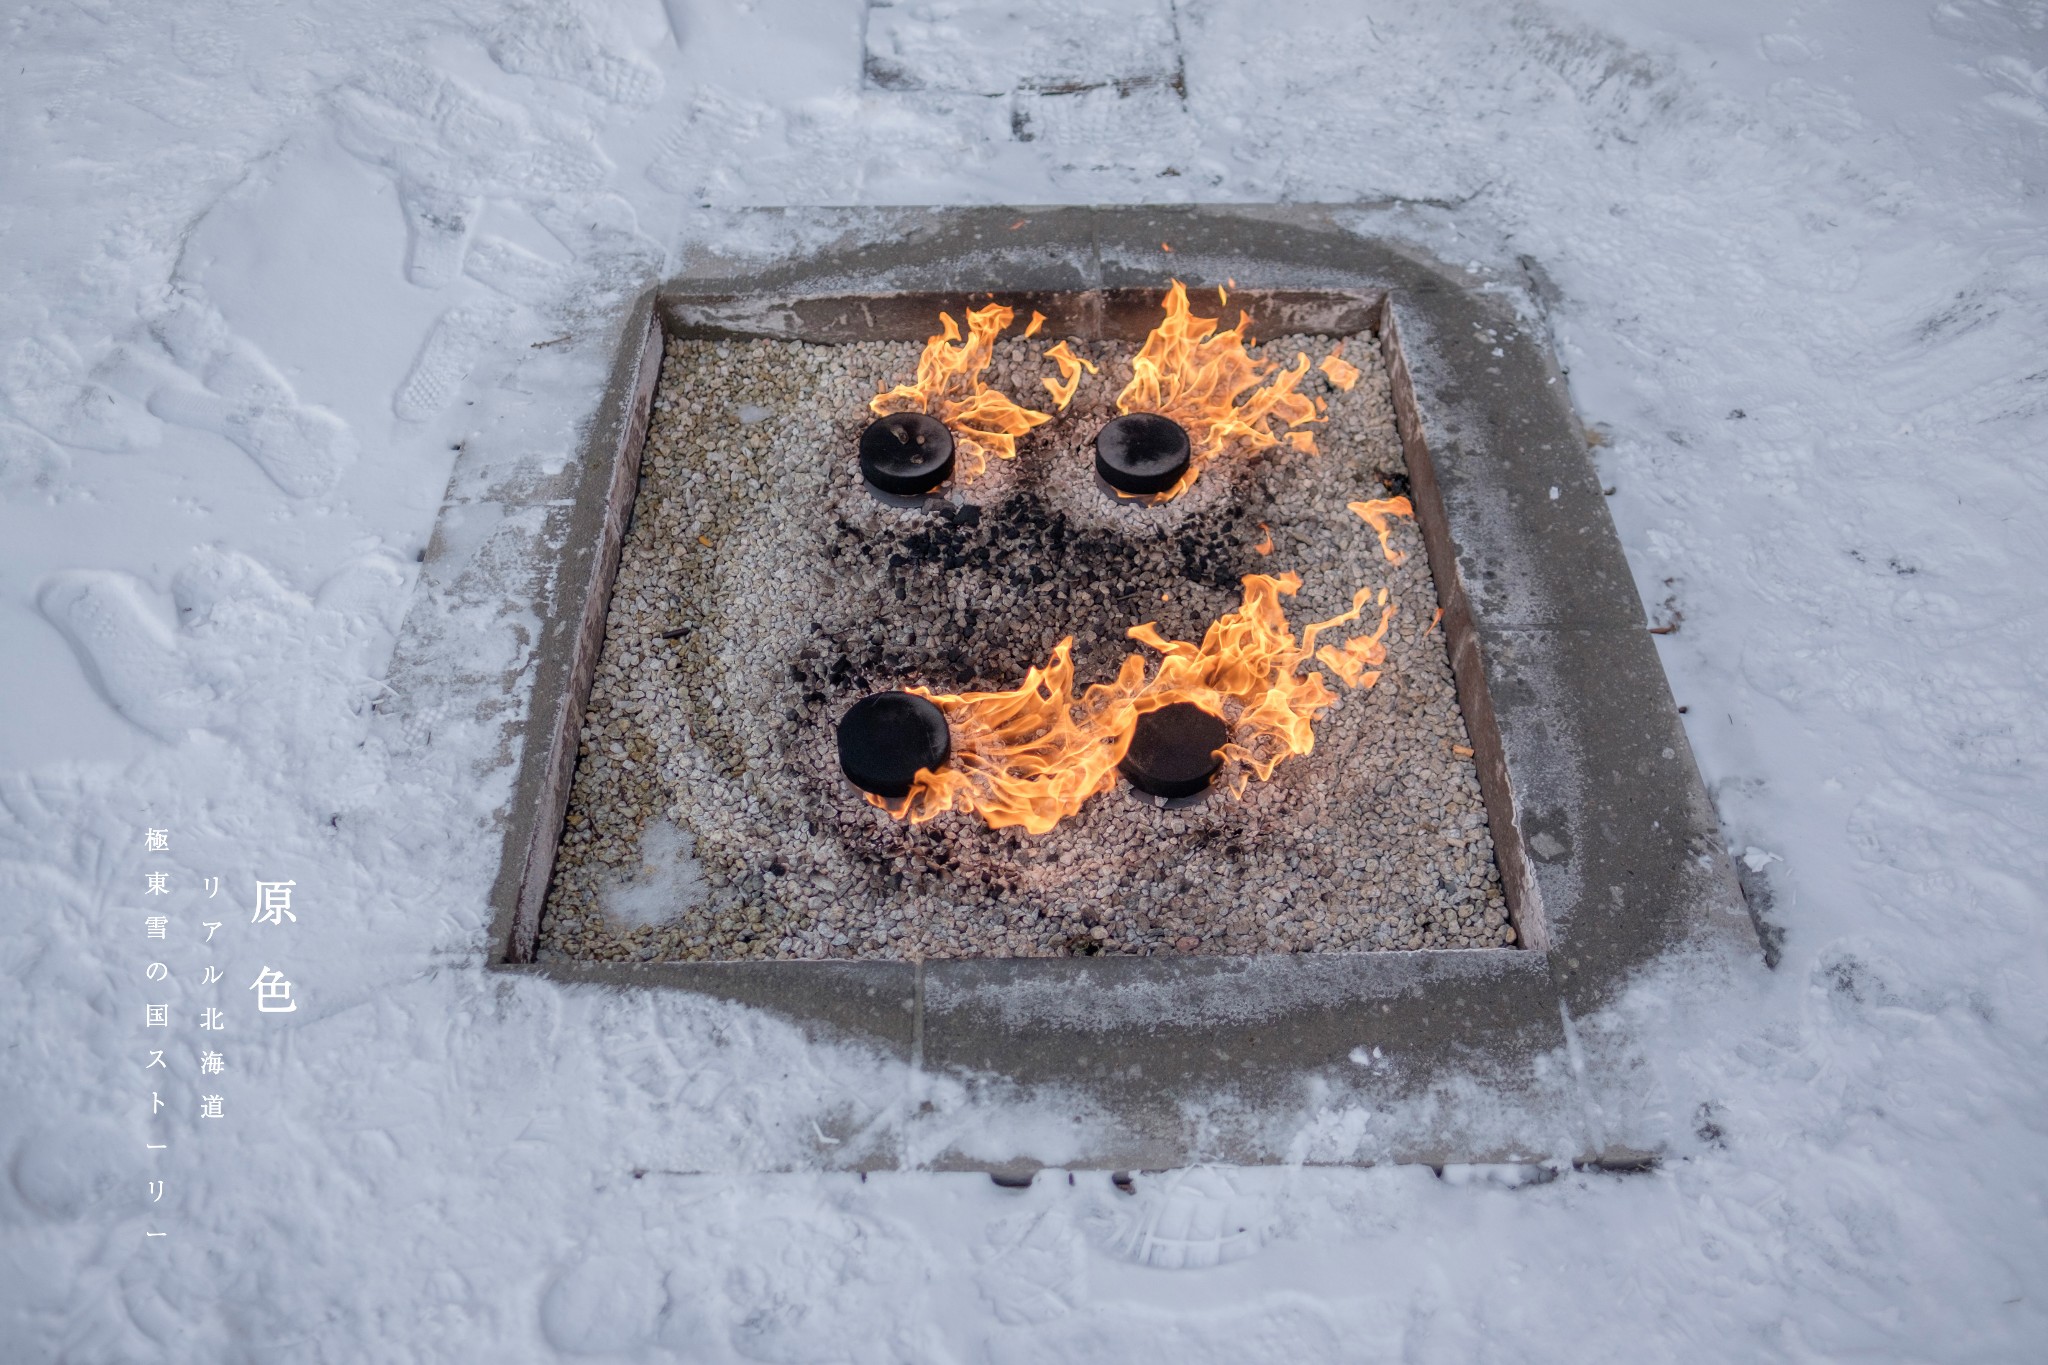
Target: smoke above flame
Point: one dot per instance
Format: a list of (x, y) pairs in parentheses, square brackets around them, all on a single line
[(949, 387), (1033, 755)]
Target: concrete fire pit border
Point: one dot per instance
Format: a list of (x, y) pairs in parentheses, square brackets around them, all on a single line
[(1607, 843)]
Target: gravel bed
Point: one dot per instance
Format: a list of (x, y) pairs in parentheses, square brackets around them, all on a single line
[(763, 589)]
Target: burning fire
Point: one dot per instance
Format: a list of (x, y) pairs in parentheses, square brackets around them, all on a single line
[(1071, 365), (1035, 755), (1206, 381), (1341, 372), (1374, 512), (984, 421)]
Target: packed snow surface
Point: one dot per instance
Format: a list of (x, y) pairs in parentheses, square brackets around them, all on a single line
[(268, 269)]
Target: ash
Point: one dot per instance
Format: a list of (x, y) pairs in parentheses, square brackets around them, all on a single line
[(763, 589)]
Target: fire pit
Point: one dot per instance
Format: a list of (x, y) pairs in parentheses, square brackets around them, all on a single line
[(1186, 976), (971, 726)]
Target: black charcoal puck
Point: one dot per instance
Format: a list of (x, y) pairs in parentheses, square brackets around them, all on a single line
[(906, 453), (1175, 750), (1141, 453), (884, 739)]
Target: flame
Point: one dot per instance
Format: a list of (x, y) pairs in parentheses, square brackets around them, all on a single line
[(984, 421), (1035, 754), (1375, 512), (1341, 372), (1206, 381), (1264, 547), (1356, 661), (1037, 321), (1071, 365)]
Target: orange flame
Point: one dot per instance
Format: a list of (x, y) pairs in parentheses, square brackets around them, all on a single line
[(1206, 381), (1356, 660), (1037, 321), (1034, 755), (1375, 512), (1071, 365), (1264, 547), (984, 421), (1342, 372)]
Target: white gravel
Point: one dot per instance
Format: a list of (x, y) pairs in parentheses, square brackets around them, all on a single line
[(795, 592)]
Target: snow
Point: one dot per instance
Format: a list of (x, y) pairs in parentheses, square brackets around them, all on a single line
[(267, 266), (668, 881)]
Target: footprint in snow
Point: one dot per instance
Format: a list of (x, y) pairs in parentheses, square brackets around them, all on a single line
[(234, 621), (560, 43), (448, 147), (2026, 88), (302, 448), (207, 49), (68, 1169), (438, 224), (453, 345), (134, 660), (602, 1305), (719, 130), (29, 461), (611, 258), (48, 386), (1032, 1268), (1187, 1219)]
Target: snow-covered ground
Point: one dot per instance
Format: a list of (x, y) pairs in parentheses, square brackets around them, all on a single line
[(266, 265)]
